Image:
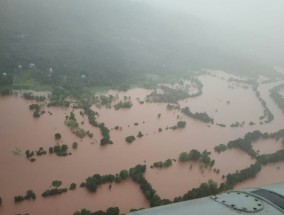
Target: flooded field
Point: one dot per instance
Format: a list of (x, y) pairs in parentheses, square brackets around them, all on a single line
[(227, 102)]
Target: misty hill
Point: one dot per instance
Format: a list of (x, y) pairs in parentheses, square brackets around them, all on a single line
[(109, 41)]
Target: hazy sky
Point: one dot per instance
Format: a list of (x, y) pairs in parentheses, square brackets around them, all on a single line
[(256, 24), (250, 14)]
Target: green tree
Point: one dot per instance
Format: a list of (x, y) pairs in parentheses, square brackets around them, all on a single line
[(75, 145), (181, 124), (57, 136), (123, 174), (130, 139), (183, 157)]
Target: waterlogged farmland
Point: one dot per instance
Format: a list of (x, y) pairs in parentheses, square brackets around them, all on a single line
[(139, 148)]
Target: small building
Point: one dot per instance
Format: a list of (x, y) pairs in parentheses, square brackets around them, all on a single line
[(31, 65), (83, 76)]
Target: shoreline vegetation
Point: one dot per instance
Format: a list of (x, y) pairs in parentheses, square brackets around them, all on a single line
[(170, 95)]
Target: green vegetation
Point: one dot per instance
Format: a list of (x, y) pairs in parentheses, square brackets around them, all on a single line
[(205, 189), (250, 172), (271, 158), (60, 150), (36, 108), (195, 155), (5, 92), (105, 132), (30, 96), (92, 182), (130, 139), (181, 124), (74, 145), (200, 116), (58, 97), (220, 148), (277, 97), (109, 211), (104, 100), (54, 191), (72, 123), (245, 143), (1, 201), (56, 183), (140, 134), (72, 186), (30, 195), (30, 154), (267, 115), (169, 95), (162, 164), (123, 105), (57, 136)]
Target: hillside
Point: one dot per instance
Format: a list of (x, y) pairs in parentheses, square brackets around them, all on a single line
[(110, 42)]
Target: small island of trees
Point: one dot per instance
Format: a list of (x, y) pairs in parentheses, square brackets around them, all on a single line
[(200, 116), (130, 139), (30, 195)]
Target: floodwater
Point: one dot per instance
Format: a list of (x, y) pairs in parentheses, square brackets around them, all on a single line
[(19, 131)]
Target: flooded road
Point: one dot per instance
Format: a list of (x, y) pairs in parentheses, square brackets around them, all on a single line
[(19, 131)]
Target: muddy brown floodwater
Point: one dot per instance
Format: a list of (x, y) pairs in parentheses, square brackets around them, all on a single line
[(19, 131)]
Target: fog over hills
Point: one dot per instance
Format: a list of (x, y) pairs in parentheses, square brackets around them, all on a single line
[(111, 41)]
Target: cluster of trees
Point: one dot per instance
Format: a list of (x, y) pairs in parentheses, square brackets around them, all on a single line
[(160, 164), (5, 92), (220, 148), (36, 109), (58, 98), (130, 139), (105, 132), (266, 112), (173, 107), (72, 123), (205, 189), (54, 191), (91, 183), (245, 143), (59, 150), (250, 172), (198, 84), (195, 155), (109, 211), (57, 136), (169, 95), (72, 186), (123, 104), (30, 154), (56, 183), (0, 201), (104, 100), (30, 195), (92, 120), (181, 124), (200, 116), (30, 96), (277, 97), (237, 124), (90, 113), (271, 158)]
